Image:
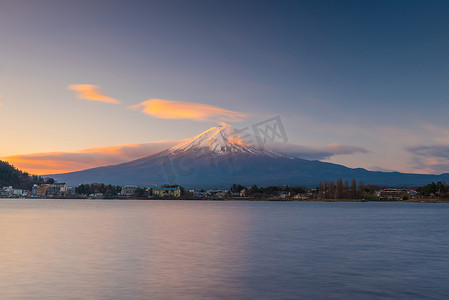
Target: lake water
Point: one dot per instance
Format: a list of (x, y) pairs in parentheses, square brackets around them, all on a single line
[(98, 249)]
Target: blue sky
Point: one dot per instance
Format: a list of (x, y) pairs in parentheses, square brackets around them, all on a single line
[(365, 74)]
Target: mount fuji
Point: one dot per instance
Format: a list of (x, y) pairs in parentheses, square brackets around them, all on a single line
[(218, 158)]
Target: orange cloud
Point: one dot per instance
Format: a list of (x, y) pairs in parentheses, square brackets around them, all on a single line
[(165, 109), (1, 104), (63, 162), (91, 92)]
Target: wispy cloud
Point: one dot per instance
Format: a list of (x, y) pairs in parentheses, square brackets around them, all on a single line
[(164, 109), (1, 104), (377, 168), (316, 153), (92, 93), (62, 162), (430, 151), (431, 158)]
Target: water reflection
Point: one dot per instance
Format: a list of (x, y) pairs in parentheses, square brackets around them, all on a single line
[(64, 249), (122, 250)]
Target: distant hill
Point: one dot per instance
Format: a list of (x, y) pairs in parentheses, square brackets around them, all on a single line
[(214, 159), (10, 176)]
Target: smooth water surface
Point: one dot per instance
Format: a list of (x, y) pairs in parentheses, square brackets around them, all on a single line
[(110, 249)]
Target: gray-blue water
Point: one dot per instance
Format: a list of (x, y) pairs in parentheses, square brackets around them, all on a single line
[(89, 249)]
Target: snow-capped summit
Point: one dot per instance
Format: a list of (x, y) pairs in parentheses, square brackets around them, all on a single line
[(223, 139)]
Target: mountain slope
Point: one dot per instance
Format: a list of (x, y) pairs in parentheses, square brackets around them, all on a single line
[(217, 159)]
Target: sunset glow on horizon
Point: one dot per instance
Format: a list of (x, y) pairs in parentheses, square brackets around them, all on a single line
[(63, 162)]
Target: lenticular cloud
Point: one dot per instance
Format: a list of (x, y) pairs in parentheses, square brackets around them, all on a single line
[(164, 109), (91, 92)]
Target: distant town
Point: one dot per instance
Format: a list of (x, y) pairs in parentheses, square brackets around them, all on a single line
[(18, 184), (327, 191)]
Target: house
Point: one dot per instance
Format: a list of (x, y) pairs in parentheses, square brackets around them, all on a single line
[(71, 191), (18, 192), (198, 194), (129, 190), (284, 195), (34, 190), (62, 186), (391, 194), (218, 193), (7, 191), (164, 192), (302, 197), (53, 190), (41, 191), (3, 193)]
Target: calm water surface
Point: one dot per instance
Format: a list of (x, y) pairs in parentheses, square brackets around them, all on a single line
[(95, 249)]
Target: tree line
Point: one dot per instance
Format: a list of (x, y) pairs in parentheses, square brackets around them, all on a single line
[(341, 189), (93, 188), (10, 176), (439, 189), (256, 191)]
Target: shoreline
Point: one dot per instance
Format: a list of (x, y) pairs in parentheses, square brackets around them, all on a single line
[(247, 200)]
